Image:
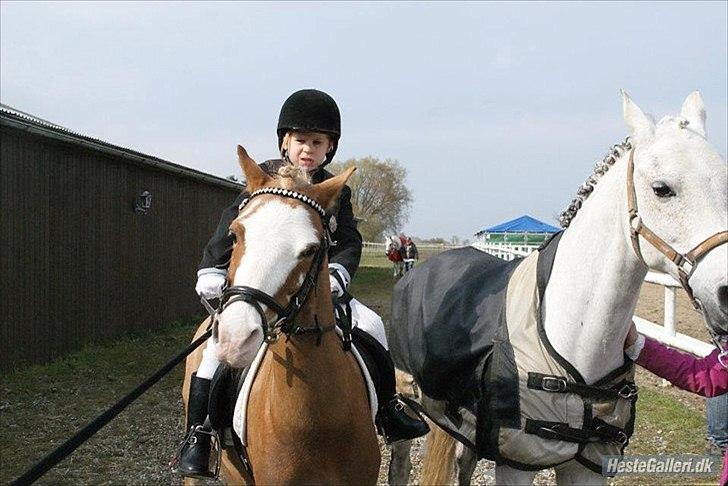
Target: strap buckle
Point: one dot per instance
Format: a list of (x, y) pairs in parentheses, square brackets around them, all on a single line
[(685, 266), (628, 391), (616, 437), (553, 384), (621, 438), (723, 358), (635, 223), (550, 433)]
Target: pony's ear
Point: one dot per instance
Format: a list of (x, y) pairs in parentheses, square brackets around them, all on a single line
[(327, 192), (638, 122), (254, 175), (693, 110)]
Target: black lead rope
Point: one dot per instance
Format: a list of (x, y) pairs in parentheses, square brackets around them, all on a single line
[(65, 449)]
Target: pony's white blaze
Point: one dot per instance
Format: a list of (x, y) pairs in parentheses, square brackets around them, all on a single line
[(275, 235)]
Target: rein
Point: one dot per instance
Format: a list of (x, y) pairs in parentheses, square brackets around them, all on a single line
[(257, 298), (685, 263)]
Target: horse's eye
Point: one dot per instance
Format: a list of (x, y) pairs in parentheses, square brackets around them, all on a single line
[(309, 252), (662, 190)]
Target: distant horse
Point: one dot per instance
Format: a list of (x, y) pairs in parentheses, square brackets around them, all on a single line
[(660, 205), (393, 246), (308, 416)]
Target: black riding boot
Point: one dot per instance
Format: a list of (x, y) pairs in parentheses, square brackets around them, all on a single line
[(194, 457), (393, 421)]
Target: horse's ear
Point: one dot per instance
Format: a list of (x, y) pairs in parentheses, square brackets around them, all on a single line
[(254, 175), (638, 122), (327, 192), (693, 110)]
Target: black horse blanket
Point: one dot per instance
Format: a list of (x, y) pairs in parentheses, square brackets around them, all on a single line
[(445, 316)]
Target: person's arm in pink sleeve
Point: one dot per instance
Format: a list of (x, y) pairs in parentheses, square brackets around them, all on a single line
[(704, 376)]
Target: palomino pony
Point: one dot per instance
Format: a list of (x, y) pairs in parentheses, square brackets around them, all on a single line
[(660, 204), (393, 247), (308, 415)]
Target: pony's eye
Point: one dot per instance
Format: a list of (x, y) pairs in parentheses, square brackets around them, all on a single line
[(662, 190), (309, 252)]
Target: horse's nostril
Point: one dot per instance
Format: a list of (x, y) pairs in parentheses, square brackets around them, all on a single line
[(723, 298)]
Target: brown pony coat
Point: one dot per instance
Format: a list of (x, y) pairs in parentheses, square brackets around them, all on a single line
[(309, 420)]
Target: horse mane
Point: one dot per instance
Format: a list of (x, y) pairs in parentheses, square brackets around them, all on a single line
[(600, 168)]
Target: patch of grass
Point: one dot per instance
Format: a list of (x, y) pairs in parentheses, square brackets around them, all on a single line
[(373, 287)]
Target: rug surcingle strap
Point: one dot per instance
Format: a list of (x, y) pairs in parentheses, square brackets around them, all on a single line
[(602, 432), (560, 384)]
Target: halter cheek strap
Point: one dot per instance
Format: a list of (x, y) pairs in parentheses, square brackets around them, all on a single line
[(686, 263)]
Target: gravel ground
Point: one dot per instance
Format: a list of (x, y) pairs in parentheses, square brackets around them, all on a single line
[(42, 406)]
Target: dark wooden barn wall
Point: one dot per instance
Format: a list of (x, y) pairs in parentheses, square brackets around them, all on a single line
[(78, 264)]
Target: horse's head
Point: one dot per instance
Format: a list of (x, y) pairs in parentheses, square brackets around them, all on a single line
[(682, 197), (392, 242), (280, 239)]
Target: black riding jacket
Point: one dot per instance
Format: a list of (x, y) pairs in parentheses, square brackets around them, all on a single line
[(347, 251)]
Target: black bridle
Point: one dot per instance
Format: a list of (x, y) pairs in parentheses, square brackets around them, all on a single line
[(257, 298)]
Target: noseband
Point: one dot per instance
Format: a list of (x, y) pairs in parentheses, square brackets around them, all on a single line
[(685, 263), (257, 298)]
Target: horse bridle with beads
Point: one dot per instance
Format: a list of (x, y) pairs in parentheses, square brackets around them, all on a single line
[(256, 298), (685, 263)]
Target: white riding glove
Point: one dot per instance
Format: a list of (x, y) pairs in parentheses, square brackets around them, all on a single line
[(210, 282), (633, 352), (340, 271), (336, 287)]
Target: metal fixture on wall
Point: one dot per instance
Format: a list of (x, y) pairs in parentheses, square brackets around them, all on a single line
[(143, 202)]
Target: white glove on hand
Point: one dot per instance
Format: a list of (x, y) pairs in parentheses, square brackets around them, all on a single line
[(336, 287), (340, 271), (633, 351), (210, 282)]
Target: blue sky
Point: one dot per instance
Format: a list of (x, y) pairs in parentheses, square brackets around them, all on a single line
[(496, 109)]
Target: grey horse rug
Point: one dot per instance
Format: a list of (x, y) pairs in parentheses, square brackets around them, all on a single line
[(467, 326)]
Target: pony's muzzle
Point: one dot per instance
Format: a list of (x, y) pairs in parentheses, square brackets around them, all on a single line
[(239, 335)]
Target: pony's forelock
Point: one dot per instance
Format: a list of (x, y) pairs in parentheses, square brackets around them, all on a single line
[(293, 177)]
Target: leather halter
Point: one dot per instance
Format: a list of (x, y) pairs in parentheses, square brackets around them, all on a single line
[(256, 298), (686, 263)]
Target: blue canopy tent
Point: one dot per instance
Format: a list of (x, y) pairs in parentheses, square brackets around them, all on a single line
[(524, 230)]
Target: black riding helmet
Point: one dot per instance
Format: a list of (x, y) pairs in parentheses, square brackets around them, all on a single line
[(311, 110)]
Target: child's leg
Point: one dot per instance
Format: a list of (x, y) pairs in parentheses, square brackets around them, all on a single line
[(209, 362), (193, 460), (369, 336), (368, 321)]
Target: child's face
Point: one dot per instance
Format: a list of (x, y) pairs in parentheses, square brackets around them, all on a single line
[(308, 149)]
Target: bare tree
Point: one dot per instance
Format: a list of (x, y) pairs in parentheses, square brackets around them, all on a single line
[(379, 195)]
